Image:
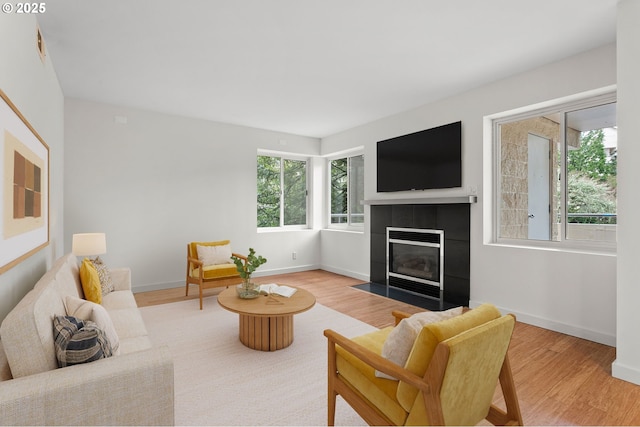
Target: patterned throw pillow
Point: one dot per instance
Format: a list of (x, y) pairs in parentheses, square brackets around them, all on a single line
[(106, 284), (78, 341), (399, 343)]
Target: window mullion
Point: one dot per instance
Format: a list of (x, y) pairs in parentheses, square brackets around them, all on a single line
[(281, 192), (348, 191), (497, 167), (564, 218)]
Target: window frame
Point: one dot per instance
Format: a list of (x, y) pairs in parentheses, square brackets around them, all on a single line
[(348, 226), (560, 107), (282, 157)]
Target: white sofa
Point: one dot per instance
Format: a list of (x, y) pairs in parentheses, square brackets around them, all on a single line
[(135, 387)]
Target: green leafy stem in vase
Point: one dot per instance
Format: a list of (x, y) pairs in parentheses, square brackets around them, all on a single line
[(246, 268)]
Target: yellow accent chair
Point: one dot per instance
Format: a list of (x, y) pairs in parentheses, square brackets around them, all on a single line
[(450, 377), (213, 267)]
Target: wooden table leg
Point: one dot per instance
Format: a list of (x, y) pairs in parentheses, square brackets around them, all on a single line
[(266, 333)]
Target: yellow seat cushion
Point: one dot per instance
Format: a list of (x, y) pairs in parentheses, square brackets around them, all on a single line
[(216, 271), (427, 341), (379, 391)]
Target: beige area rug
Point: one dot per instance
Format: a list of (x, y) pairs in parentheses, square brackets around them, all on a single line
[(219, 381)]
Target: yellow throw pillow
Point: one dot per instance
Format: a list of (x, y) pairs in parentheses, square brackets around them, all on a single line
[(90, 282)]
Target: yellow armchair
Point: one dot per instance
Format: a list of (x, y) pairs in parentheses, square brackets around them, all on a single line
[(213, 268), (449, 379)]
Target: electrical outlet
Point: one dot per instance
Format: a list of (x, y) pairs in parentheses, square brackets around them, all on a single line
[(294, 255)]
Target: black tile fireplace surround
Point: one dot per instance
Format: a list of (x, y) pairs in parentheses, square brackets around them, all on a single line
[(454, 219)]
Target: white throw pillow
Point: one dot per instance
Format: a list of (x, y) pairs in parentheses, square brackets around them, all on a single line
[(212, 255), (399, 343), (87, 310)]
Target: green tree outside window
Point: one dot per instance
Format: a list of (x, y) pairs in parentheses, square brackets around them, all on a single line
[(282, 192)]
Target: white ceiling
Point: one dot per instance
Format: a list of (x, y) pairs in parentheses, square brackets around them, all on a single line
[(307, 67)]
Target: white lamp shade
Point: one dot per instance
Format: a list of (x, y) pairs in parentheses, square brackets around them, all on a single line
[(86, 244)]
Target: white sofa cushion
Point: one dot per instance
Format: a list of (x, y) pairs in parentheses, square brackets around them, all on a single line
[(119, 299), (27, 334), (64, 276), (132, 345), (128, 323), (87, 310), (5, 371)]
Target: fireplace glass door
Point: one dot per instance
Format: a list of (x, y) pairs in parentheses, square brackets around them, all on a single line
[(421, 262)]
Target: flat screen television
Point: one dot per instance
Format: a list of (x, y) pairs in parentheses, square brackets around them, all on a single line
[(423, 160)]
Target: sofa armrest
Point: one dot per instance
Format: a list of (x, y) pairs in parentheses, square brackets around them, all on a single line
[(132, 389), (121, 278)]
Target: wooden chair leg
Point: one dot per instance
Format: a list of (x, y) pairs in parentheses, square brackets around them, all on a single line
[(186, 293), (509, 391), (512, 416), (331, 393), (331, 414), (200, 288)]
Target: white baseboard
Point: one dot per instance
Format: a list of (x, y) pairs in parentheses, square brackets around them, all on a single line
[(296, 269), (553, 325), (157, 286), (625, 373), (262, 272), (348, 273)]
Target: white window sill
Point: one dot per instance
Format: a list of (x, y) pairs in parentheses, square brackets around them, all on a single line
[(355, 230), (283, 229), (570, 247)]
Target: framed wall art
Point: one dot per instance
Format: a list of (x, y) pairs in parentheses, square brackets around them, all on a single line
[(24, 195)]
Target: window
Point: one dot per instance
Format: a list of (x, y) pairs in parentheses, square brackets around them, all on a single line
[(282, 192), (556, 174), (347, 191)]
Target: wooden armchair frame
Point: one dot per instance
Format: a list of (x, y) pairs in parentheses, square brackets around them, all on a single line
[(430, 384), (201, 281)]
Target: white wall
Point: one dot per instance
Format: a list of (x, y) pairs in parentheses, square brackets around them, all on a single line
[(158, 181), (33, 88), (345, 252), (627, 364), (568, 292)]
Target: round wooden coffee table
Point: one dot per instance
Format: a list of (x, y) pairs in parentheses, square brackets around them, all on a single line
[(266, 322)]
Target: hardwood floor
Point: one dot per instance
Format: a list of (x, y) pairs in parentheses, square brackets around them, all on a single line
[(560, 380)]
